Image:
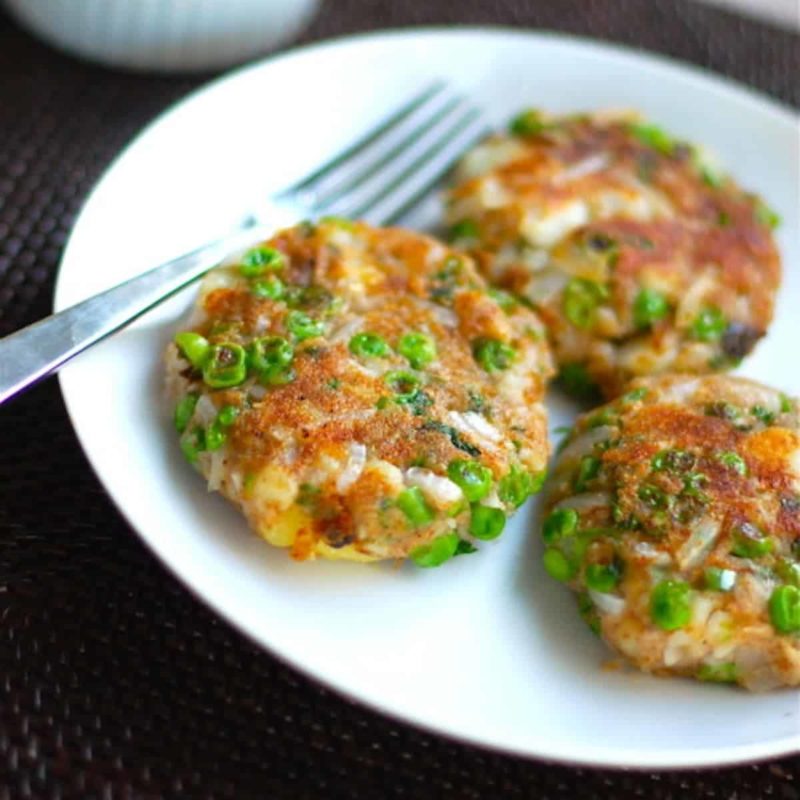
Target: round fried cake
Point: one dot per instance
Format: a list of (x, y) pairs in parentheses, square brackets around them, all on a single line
[(361, 394), (641, 257), (674, 513)]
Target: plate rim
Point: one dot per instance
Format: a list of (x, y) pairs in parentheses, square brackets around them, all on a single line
[(596, 757)]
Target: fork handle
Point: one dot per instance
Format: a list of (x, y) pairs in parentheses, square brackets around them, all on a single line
[(34, 352)]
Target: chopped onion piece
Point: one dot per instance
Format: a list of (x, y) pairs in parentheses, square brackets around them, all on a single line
[(588, 166), (545, 286), (357, 458), (699, 542), (441, 491), (475, 425), (205, 411), (585, 502), (607, 603), (585, 443), (216, 469)]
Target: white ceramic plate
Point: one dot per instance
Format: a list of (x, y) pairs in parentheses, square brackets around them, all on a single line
[(486, 649)]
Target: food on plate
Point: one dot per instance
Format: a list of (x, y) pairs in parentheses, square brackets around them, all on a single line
[(361, 393), (640, 255), (674, 513)]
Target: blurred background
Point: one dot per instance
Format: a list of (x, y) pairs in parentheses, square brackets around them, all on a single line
[(190, 35), (781, 12)]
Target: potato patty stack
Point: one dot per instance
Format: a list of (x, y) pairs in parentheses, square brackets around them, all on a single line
[(641, 258), (674, 512), (361, 393)]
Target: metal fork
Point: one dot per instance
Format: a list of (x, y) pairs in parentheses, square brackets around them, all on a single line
[(376, 179)]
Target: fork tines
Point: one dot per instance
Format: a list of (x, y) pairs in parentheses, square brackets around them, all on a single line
[(387, 170)]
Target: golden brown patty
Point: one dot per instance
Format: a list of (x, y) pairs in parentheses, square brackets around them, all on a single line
[(361, 394), (674, 512), (640, 258)]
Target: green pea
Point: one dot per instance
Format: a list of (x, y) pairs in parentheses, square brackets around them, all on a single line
[(675, 461), (227, 415), (750, 542), (194, 347), (574, 547), (369, 345), (718, 673), (559, 524), (312, 297), (576, 381), (464, 548), (517, 485), (733, 461), (215, 435), (588, 470), (787, 404), (557, 565), (192, 444), (225, 366), (719, 580), (670, 605), (302, 327), (270, 358), (259, 260), (492, 354), (413, 504), (537, 480), (653, 497), (472, 477), (417, 401), (788, 571), (403, 384), (184, 411), (709, 325), (692, 485), (649, 307), (784, 609), (487, 522), (602, 577), (527, 123), (465, 230), (712, 178), (763, 415), (654, 137), (418, 348), (581, 299), (766, 216), (269, 288), (505, 300), (606, 416), (635, 395), (436, 552)]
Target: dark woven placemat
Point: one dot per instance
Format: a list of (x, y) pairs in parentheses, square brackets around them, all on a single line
[(114, 681)]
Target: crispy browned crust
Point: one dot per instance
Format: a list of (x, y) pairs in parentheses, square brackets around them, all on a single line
[(387, 282), (709, 420), (692, 232)]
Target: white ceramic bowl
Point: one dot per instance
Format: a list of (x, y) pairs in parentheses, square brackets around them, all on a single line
[(165, 35)]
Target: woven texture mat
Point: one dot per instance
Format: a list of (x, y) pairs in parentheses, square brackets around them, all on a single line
[(114, 681)]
